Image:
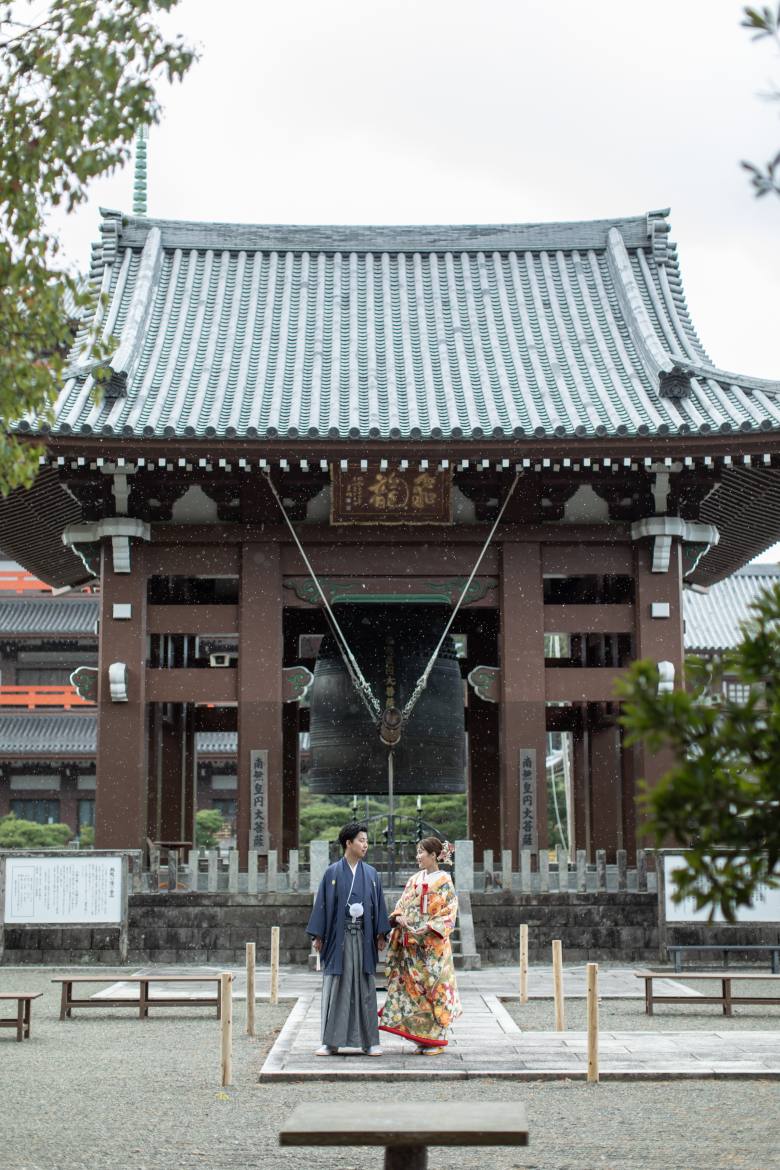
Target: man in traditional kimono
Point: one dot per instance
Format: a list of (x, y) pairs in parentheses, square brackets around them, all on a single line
[(349, 926)]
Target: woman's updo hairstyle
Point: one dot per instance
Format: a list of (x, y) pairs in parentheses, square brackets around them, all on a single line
[(435, 846)]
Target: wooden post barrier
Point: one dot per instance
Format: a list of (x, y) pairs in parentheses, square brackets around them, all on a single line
[(226, 1013), (250, 989), (593, 1023), (524, 963), (274, 964), (557, 962)]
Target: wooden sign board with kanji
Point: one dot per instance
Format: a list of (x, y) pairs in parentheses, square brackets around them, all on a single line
[(393, 496)]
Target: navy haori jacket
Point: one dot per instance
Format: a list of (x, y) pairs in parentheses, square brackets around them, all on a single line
[(329, 914)]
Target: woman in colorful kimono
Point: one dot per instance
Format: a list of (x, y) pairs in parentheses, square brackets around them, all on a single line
[(422, 994)]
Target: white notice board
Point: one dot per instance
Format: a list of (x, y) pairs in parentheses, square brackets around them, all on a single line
[(765, 906), (63, 890)]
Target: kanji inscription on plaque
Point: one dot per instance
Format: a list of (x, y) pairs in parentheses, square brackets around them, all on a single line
[(528, 833), (391, 496)]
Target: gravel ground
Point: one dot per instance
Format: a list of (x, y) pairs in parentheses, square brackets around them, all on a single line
[(106, 1090)]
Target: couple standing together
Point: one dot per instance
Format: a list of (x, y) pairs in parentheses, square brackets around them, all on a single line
[(350, 925)]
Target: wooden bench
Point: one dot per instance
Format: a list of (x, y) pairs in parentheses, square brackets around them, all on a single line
[(23, 1009), (406, 1130), (725, 978), (145, 1000), (677, 950)]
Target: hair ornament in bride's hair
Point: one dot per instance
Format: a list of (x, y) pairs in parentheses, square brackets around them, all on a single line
[(447, 853)]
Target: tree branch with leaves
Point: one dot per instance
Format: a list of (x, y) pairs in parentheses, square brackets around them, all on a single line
[(764, 23), (75, 84), (723, 792)]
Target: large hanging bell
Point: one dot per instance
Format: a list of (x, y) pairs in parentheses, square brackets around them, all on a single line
[(349, 749)]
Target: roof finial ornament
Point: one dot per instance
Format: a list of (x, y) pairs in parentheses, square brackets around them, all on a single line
[(658, 228), (139, 178)]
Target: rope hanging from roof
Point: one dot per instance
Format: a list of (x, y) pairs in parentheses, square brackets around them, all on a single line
[(390, 721)]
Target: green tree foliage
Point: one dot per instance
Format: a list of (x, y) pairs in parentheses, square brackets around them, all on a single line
[(76, 80), (723, 791), (322, 817), (764, 23), (18, 834), (208, 823)]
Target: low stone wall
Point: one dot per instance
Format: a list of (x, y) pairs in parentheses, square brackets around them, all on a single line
[(721, 933), (175, 928), (214, 928), (616, 927)]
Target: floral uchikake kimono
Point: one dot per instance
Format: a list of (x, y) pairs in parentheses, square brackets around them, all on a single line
[(422, 994)]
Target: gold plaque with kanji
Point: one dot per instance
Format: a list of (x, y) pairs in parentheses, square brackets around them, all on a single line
[(393, 496)]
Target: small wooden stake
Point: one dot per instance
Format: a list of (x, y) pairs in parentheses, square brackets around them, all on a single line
[(250, 989), (274, 964), (524, 963), (593, 1023), (557, 962), (226, 1008)]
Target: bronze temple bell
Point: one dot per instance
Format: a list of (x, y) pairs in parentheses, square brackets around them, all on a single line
[(392, 645)]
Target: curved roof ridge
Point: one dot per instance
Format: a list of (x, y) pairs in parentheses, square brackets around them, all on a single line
[(375, 238)]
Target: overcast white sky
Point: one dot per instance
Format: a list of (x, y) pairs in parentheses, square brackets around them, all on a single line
[(445, 111)]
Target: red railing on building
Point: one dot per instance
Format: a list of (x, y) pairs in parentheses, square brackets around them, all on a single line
[(17, 581), (33, 697)]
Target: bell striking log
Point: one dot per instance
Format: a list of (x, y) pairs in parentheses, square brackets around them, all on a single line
[(392, 645)]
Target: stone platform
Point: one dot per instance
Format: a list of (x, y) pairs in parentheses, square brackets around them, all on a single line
[(487, 1042)]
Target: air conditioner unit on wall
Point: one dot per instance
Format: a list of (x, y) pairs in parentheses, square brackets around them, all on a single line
[(223, 659)]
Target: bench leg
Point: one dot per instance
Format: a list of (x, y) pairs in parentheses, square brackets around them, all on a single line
[(648, 997), (20, 1020), (65, 1000), (27, 1017), (406, 1158), (726, 997), (143, 1000)]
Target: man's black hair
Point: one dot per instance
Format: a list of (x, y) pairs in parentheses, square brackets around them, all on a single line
[(350, 832)]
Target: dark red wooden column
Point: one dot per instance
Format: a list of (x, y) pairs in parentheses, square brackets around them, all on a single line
[(522, 684), (660, 639), (260, 682), (122, 749), (177, 774)]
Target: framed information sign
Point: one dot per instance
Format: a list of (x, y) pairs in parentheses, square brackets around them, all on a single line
[(63, 891)]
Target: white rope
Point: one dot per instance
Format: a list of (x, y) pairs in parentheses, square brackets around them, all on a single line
[(356, 675), (422, 681)]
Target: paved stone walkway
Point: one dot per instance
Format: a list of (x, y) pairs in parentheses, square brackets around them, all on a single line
[(487, 1042)]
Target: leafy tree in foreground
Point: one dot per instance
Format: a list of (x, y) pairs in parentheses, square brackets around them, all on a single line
[(723, 792), (75, 83), (764, 23)]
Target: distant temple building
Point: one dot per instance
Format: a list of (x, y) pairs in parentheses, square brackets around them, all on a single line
[(314, 444)]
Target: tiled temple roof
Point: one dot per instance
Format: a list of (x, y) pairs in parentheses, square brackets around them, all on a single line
[(713, 619), (48, 617), (40, 736), (508, 331)]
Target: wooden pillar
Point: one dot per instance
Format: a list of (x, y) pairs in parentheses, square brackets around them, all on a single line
[(122, 756), (523, 730), (290, 720), (260, 684), (177, 774), (659, 638), (605, 785), (484, 774)]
